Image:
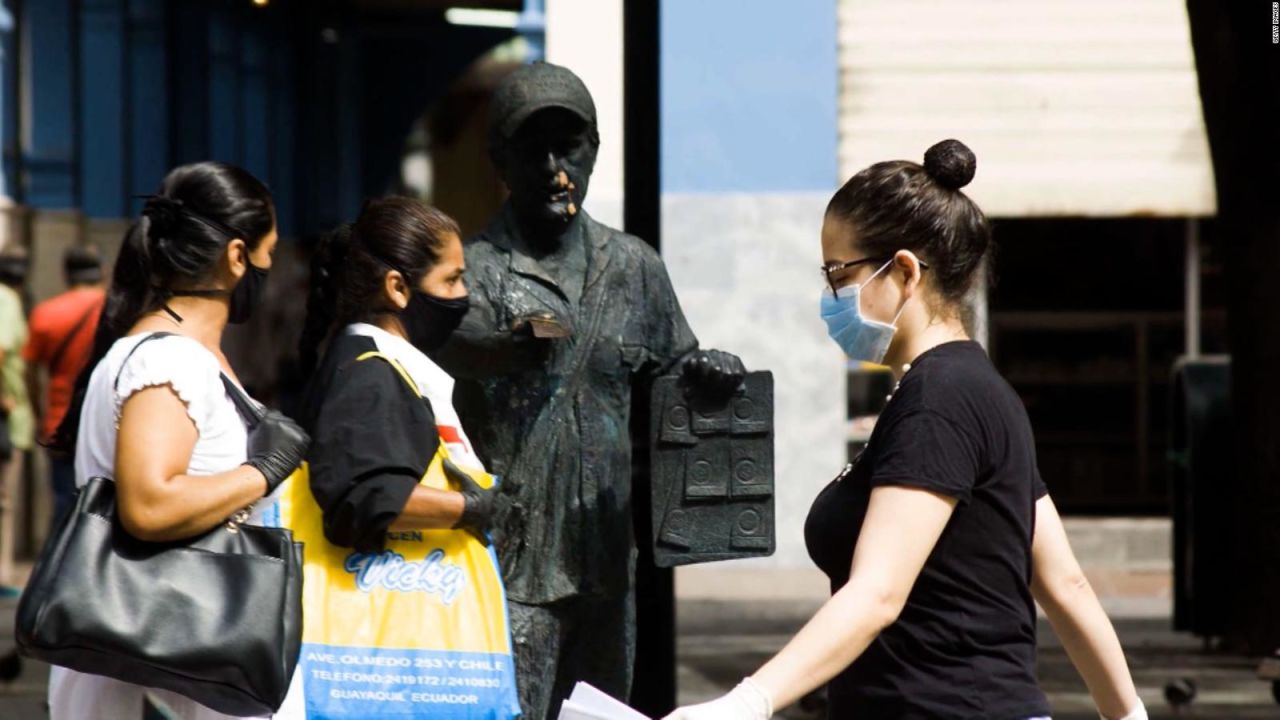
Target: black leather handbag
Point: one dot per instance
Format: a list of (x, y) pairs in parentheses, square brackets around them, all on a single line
[(217, 618)]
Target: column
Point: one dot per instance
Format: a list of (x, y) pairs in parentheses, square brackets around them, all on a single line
[(8, 98)]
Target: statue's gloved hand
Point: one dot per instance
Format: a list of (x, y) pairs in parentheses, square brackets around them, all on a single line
[(748, 701), (478, 502), (713, 371), (276, 447)]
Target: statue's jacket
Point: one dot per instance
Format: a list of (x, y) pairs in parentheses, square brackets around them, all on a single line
[(554, 424)]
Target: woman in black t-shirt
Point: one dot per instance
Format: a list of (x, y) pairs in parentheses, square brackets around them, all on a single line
[(940, 534)]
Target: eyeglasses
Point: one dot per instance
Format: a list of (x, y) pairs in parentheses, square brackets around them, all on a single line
[(828, 271)]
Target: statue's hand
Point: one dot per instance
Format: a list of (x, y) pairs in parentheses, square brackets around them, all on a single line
[(713, 371)]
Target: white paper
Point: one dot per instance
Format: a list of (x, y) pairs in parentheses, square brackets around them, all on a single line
[(589, 703), (569, 710)]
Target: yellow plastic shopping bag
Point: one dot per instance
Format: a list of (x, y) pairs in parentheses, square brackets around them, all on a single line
[(419, 629)]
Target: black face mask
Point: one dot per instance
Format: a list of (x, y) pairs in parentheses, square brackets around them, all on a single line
[(429, 320), (245, 296)]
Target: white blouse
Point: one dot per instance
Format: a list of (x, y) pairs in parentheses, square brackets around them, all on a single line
[(186, 367)]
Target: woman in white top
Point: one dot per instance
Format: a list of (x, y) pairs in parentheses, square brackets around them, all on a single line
[(152, 412)]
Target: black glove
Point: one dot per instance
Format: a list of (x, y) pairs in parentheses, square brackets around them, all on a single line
[(477, 509), (714, 372), (276, 447)]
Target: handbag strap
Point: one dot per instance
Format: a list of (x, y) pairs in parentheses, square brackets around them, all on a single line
[(442, 447), (404, 374), (153, 336), (249, 412)]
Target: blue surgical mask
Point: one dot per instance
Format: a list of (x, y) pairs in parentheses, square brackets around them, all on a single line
[(860, 337)]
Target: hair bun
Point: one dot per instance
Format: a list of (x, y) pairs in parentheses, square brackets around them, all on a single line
[(951, 163), (331, 255), (338, 243), (163, 214)]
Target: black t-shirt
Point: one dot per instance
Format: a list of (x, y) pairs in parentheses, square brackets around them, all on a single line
[(372, 439), (964, 645)]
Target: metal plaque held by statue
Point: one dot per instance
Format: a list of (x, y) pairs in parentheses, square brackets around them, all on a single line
[(712, 463)]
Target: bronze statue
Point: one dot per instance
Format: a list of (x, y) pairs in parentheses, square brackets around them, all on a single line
[(567, 317)]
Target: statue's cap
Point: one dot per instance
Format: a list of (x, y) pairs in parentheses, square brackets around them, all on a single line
[(535, 87)]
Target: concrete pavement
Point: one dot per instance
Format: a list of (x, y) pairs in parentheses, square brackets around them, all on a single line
[(721, 642), (733, 616)]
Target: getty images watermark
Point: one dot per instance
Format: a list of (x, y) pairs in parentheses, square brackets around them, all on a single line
[(1275, 23)]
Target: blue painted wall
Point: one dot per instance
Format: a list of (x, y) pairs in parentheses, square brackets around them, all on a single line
[(148, 94), (223, 91), (255, 112), (748, 95), (189, 32), (102, 107), (282, 136), (49, 134), (317, 104)]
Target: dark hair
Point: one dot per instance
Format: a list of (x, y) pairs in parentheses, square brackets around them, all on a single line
[(81, 264), (901, 205), (175, 244), (14, 265), (350, 264)]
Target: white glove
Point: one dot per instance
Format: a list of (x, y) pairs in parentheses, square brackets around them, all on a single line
[(1138, 713), (748, 701)]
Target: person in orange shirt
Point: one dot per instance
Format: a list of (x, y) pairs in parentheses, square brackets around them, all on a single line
[(60, 337)]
